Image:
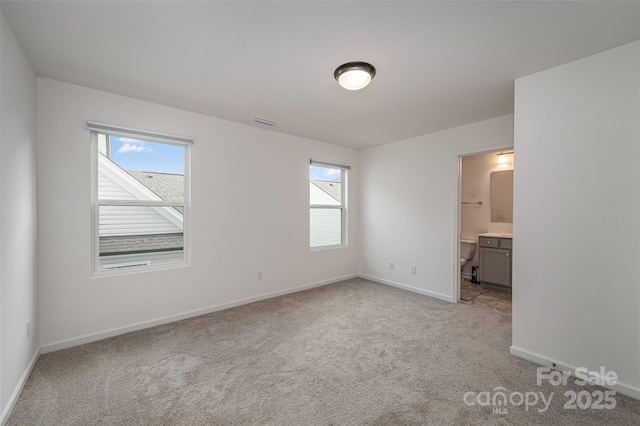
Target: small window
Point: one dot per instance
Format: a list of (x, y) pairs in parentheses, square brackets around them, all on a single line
[(327, 213), (140, 199)]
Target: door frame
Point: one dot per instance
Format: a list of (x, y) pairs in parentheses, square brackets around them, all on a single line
[(455, 286)]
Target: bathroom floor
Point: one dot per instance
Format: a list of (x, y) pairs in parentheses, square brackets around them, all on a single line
[(474, 294)]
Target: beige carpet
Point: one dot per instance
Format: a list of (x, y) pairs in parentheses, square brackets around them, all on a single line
[(351, 353)]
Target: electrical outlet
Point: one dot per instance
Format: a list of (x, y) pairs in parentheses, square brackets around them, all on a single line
[(392, 265), (29, 329), (413, 269), (259, 277)]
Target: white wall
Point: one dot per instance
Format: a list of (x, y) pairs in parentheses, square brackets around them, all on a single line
[(476, 186), (18, 266), (409, 205), (577, 210), (250, 212)]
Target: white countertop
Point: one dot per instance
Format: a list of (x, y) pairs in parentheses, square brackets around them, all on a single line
[(495, 235)]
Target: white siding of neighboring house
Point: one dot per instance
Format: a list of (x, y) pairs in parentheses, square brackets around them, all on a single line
[(325, 224), (115, 183), (134, 220), (325, 227), (109, 190)]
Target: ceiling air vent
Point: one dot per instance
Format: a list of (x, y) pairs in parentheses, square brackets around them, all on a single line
[(265, 121)]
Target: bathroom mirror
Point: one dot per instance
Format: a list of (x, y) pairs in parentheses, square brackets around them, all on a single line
[(502, 196)]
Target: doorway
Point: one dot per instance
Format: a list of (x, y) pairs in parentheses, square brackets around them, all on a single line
[(484, 225)]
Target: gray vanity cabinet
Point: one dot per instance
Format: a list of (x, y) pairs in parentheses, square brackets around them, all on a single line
[(495, 261)]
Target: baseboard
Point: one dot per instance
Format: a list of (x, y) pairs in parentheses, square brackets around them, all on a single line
[(18, 390), (408, 288), (88, 338), (621, 387)]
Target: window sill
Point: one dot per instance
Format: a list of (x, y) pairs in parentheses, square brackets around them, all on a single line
[(138, 270), (323, 248)]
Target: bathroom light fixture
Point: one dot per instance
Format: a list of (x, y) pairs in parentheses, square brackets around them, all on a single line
[(501, 157), (354, 75)]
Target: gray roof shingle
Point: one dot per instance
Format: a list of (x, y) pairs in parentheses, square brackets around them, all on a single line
[(140, 244), (333, 188), (169, 187)]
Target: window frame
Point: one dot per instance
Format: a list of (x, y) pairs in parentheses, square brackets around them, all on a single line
[(342, 207), (95, 129)]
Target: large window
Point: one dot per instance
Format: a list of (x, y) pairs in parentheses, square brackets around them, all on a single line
[(327, 213), (140, 199)]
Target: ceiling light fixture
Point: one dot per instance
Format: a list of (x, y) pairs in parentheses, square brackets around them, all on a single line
[(354, 75)]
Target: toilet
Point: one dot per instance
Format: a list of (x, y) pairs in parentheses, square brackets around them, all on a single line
[(467, 250)]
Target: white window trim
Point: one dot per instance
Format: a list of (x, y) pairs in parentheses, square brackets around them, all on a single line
[(343, 204), (110, 130)]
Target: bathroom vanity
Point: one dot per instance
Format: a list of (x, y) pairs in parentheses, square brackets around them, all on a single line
[(495, 260)]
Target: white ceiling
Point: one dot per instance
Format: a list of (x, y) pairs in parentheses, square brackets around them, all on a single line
[(439, 64)]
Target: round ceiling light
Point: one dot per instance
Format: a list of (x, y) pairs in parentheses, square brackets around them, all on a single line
[(354, 75)]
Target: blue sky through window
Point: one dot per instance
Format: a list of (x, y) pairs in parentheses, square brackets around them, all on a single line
[(134, 154), (323, 173)]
